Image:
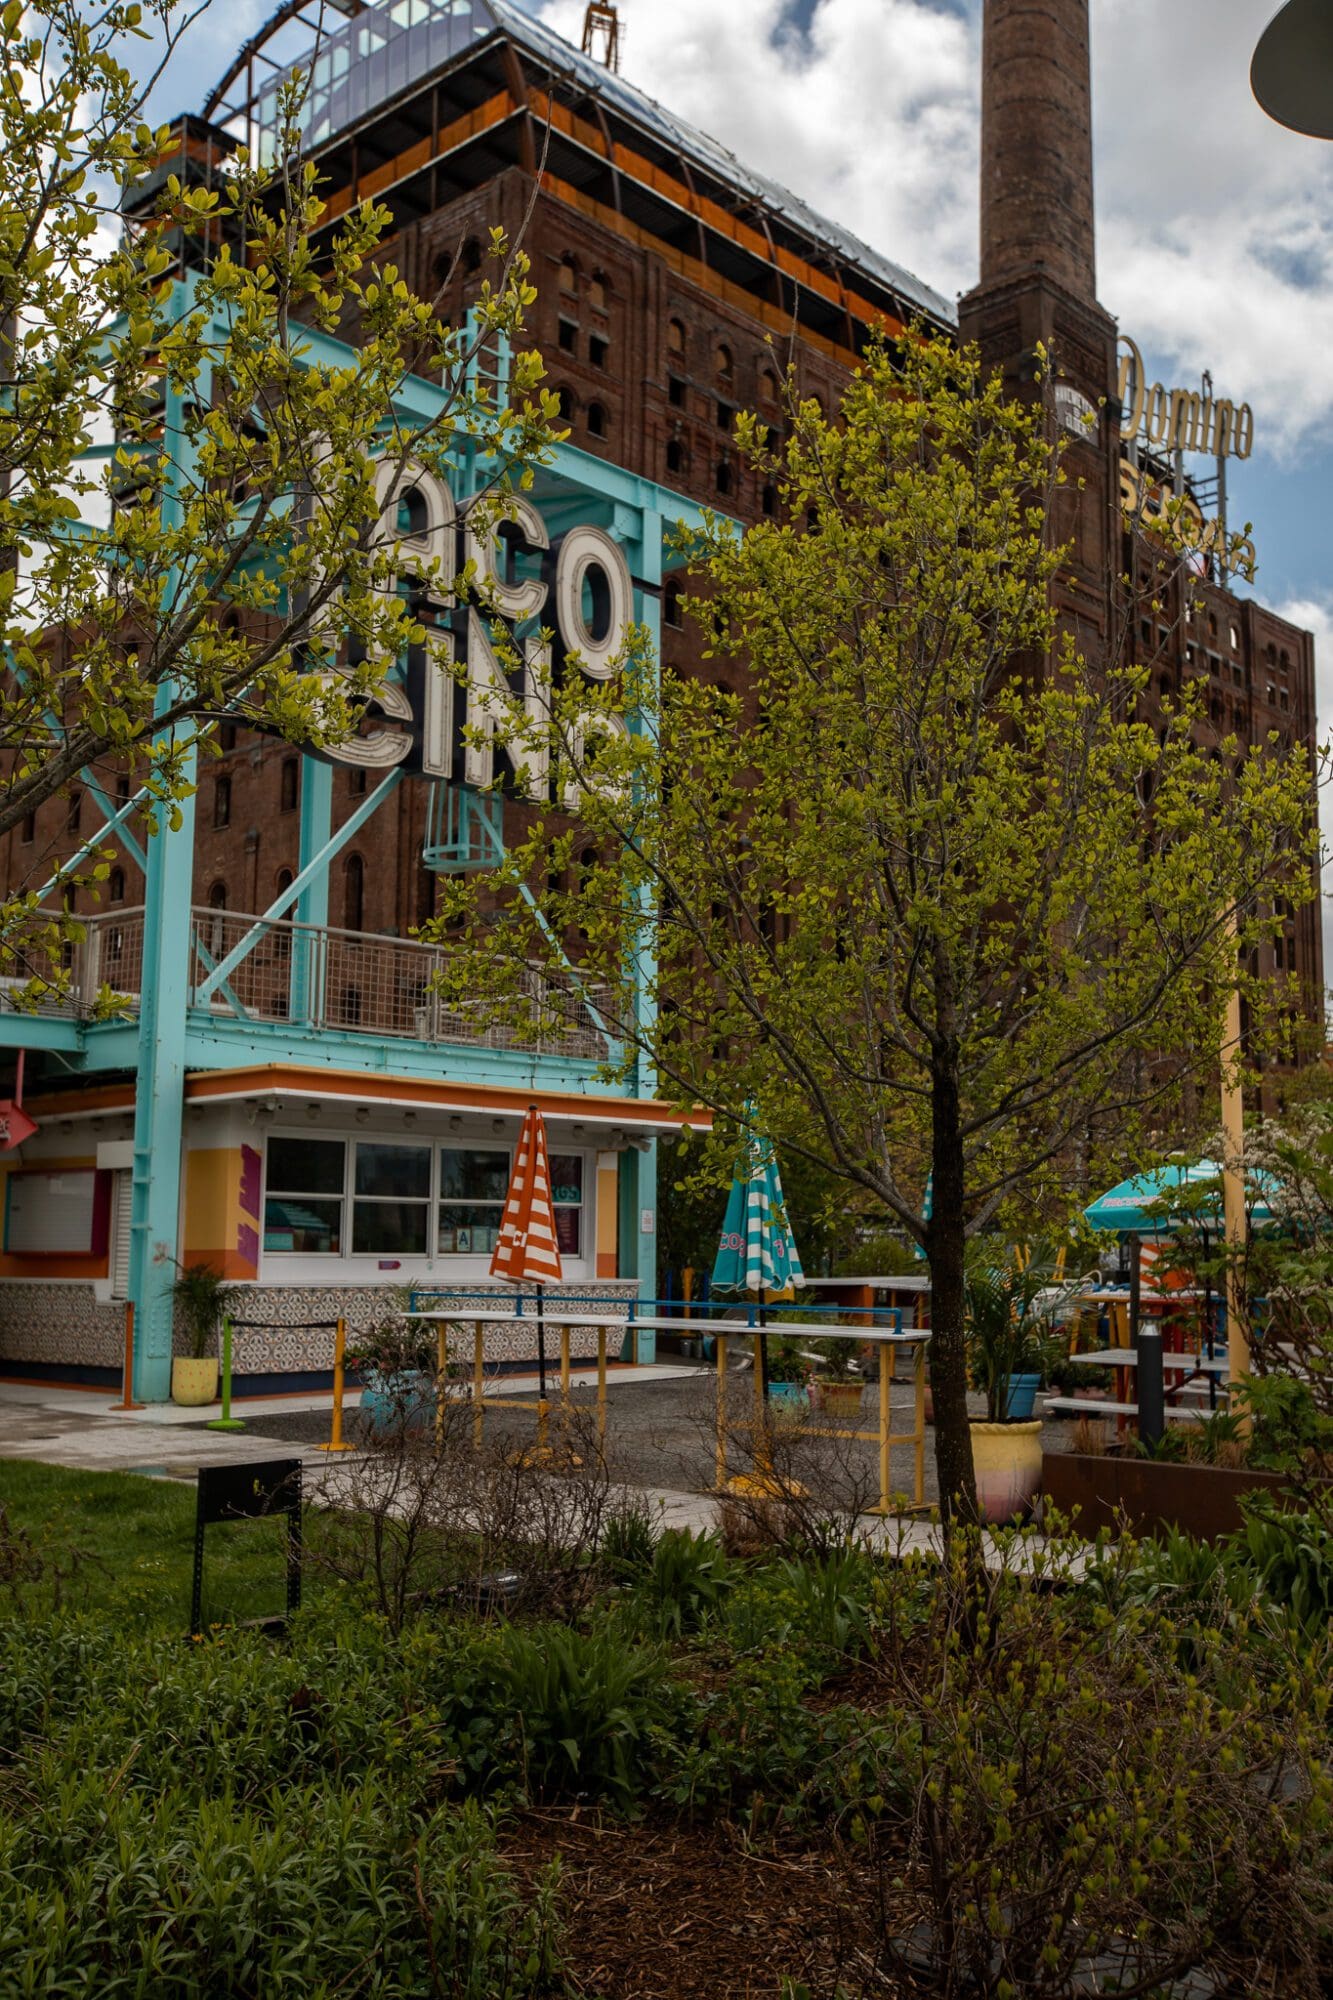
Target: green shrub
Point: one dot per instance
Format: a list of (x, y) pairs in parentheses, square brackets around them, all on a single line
[(1291, 1558), (1065, 1808), (586, 1706), (627, 1546), (831, 1601), (686, 1579), (820, 1606), (329, 1890)]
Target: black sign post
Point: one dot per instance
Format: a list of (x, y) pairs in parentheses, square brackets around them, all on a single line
[(253, 1492)]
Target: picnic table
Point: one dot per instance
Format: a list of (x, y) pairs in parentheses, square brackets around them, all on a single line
[(887, 1339), (1187, 1366), (480, 1317)]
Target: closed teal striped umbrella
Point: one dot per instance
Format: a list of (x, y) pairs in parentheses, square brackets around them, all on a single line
[(757, 1252)]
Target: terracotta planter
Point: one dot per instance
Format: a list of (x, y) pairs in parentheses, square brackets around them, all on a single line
[(838, 1399), (194, 1383), (1007, 1462)]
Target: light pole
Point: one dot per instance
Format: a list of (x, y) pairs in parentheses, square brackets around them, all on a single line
[(1291, 73)]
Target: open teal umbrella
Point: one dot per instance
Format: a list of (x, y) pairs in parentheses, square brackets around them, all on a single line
[(1154, 1201), (1155, 1204), (757, 1252)]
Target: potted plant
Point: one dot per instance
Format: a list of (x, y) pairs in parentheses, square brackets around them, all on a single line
[(203, 1299), (789, 1371), (837, 1390), (1009, 1314), (397, 1366)]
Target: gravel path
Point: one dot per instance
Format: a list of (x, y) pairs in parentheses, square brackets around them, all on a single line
[(661, 1433)]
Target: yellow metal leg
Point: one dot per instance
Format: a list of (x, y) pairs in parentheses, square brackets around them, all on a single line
[(478, 1383), (441, 1380), (919, 1423), (336, 1441), (720, 1478), (601, 1386), (885, 1421)]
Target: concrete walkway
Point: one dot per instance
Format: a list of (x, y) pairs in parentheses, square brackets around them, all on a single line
[(78, 1429)]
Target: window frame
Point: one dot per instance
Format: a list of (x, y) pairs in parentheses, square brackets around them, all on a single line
[(350, 1264)]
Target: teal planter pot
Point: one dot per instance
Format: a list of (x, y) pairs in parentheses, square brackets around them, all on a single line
[(1022, 1397), (789, 1396), (391, 1403)]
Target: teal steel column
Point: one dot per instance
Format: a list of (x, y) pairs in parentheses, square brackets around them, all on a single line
[(637, 1187), (648, 612), (312, 905), (638, 1171), (159, 1098)]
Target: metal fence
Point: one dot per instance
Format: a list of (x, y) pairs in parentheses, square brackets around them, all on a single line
[(332, 980)]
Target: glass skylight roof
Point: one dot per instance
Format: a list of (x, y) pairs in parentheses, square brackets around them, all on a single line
[(385, 50)]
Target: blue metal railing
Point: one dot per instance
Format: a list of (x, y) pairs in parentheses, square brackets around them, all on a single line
[(703, 1314)]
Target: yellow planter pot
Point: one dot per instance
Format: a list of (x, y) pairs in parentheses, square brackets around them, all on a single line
[(1007, 1461), (840, 1399), (194, 1383)]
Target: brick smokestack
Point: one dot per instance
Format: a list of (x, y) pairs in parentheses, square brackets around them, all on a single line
[(1036, 145)]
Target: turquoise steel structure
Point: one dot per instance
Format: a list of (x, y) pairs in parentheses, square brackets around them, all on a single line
[(186, 1023)]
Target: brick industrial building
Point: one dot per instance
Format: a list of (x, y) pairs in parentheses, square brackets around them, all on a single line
[(675, 286)]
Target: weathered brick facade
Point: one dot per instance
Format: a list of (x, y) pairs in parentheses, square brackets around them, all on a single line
[(658, 323)]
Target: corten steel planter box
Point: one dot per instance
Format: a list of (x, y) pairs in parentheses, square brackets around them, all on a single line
[(1203, 1500)]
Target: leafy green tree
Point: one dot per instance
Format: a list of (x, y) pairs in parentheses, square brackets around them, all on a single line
[(191, 496), (923, 883)]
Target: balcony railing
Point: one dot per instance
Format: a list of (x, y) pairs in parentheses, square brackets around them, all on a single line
[(345, 982)]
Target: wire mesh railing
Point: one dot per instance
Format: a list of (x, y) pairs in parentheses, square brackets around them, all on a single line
[(276, 971)]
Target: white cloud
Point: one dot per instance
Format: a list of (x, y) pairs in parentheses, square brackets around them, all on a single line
[(871, 116), (1215, 226)]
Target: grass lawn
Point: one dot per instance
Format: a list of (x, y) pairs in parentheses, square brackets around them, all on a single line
[(134, 1540)]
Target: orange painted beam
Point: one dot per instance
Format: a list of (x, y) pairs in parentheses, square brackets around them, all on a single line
[(358, 1088), (636, 167)]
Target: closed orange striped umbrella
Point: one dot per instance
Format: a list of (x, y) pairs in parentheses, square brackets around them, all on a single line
[(526, 1249)]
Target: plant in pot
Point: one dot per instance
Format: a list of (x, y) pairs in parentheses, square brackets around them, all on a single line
[(203, 1299), (397, 1365), (1010, 1310), (837, 1389), (789, 1371)]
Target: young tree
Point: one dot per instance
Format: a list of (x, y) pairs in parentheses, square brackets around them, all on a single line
[(927, 888), (191, 490)]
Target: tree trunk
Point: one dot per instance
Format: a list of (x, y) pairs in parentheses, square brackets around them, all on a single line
[(945, 1248)]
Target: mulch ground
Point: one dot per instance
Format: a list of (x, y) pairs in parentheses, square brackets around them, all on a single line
[(667, 1913)]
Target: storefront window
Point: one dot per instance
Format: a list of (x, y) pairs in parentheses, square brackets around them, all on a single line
[(473, 1182), (303, 1200), (567, 1197), (373, 1198), (391, 1209)]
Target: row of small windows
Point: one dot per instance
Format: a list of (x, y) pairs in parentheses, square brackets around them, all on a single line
[(354, 891), (289, 793), (599, 347), (592, 290), (724, 362), (725, 478), (596, 420)]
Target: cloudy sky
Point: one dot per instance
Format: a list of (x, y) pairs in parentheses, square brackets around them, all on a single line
[(1215, 226)]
